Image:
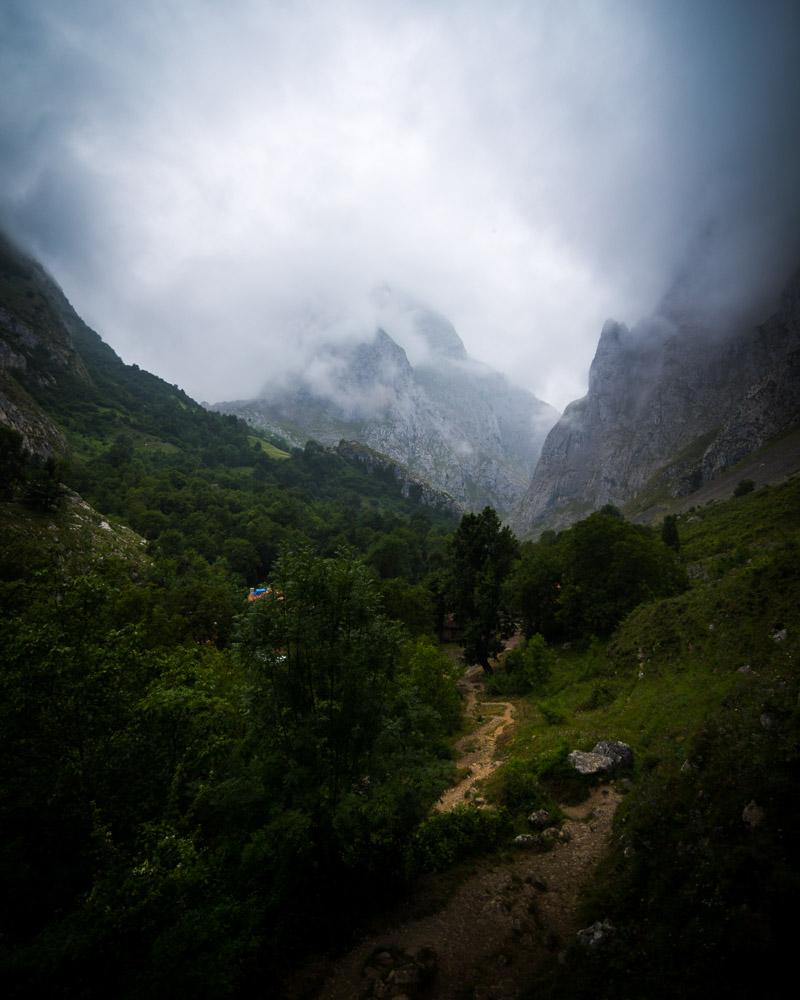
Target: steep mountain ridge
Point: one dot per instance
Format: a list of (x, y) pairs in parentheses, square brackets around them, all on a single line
[(670, 406), (451, 420)]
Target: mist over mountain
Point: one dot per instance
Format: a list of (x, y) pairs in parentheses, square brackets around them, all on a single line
[(673, 402), (408, 388), (200, 177)]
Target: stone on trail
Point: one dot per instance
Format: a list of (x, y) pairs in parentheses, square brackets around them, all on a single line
[(540, 818), (596, 934)]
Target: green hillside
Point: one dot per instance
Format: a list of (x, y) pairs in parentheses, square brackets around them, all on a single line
[(703, 874)]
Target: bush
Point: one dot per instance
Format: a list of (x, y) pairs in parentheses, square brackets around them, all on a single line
[(520, 789), (433, 675), (744, 487), (532, 660), (560, 778), (602, 695), (446, 838), (552, 716)]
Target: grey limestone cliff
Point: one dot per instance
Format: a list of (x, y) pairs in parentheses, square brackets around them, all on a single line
[(36, 350), (670, 405)]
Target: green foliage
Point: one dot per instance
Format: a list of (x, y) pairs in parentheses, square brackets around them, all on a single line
[(585, 581), (669, 532), (322, 660), (526, 668), (409, 603), (444, 839), (432, 675), (532, 661), (744, 487), (519, 789), (702, 881), (533, 589), (482, 555)]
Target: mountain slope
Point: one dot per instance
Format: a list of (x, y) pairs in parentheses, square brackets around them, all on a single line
[(670, 407), (454, 422), (192, 482)]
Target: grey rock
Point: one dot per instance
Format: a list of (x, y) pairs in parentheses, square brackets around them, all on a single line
[(752, 815), (539, 819), (619, 752), (590, 763), (779, 635), (527, 840), (596, 935)]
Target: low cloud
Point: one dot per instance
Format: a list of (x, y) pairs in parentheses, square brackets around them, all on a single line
[(215, 186)]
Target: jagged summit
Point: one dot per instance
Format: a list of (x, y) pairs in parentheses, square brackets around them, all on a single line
[(409, 389)]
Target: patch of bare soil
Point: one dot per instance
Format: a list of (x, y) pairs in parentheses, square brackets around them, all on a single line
[(487, 941), (501, 922)]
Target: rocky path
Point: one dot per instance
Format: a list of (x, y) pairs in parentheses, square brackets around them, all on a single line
[(477, 752), (492, 934)]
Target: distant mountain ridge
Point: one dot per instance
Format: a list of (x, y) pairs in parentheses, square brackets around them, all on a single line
[(670, 407), (452, 421)]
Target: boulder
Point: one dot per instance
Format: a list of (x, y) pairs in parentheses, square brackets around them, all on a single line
[(605, 756), (394, 975), (540, 818), (619, 752), (596, 935), (590, 764), (752, 815)]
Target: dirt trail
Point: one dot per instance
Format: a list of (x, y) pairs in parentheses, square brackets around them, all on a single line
[(505, 918), (501, 922), (477, 751)]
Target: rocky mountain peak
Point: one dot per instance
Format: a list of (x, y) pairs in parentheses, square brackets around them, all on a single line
[(410, 391)]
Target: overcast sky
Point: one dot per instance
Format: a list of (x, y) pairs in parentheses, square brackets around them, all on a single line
[(207, 179)]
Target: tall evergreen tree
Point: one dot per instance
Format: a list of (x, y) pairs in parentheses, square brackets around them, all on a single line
[(482, 555)]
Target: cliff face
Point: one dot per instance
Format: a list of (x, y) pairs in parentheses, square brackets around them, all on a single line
[(671, 403), (452, 421), (36, 350), (411, 486)]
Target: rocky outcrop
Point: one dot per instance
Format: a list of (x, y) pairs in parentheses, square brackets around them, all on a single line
[(411, 486), (36, 350), (450, 420), (671, 405)]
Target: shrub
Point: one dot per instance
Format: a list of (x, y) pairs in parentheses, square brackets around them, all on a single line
[(560, 778), (520, 789), (744, 487), (552, 716), (446, 838), (532, 660)]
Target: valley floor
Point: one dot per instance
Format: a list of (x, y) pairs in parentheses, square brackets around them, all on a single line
[(489, 936)]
